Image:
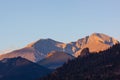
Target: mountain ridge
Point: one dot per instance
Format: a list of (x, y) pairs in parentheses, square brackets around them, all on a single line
[(21, 69), (38, 50)]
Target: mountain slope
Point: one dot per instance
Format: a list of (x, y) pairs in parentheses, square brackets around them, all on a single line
[(21, 69), (55, 59), (27, 52), (102, 66)]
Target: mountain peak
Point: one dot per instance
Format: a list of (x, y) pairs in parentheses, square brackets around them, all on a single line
[(100, 35), (96, 42), (48, 40), (103, 38), (97, 34)]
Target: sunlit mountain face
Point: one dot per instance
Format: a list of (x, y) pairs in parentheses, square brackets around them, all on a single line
[(38, 50)]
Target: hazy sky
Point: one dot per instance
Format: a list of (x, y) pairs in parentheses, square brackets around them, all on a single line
[(24, 21)]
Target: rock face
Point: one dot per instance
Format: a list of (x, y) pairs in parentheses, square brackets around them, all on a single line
[(21, 69), (55, 59), (85, 52), (37, 51)]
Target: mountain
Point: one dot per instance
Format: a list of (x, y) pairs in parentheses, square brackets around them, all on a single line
[(21, 69), (38, 50), (35, 51), (96, 42), (47, 45), (104, 65), (55, 59)]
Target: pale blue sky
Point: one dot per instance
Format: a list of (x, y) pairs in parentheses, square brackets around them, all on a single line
[(24, 21)]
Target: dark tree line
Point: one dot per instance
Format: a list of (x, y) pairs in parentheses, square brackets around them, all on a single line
[(104, 65)]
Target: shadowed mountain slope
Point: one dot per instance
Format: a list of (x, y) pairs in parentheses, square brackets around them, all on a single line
[(21, 69), (55, 59)]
